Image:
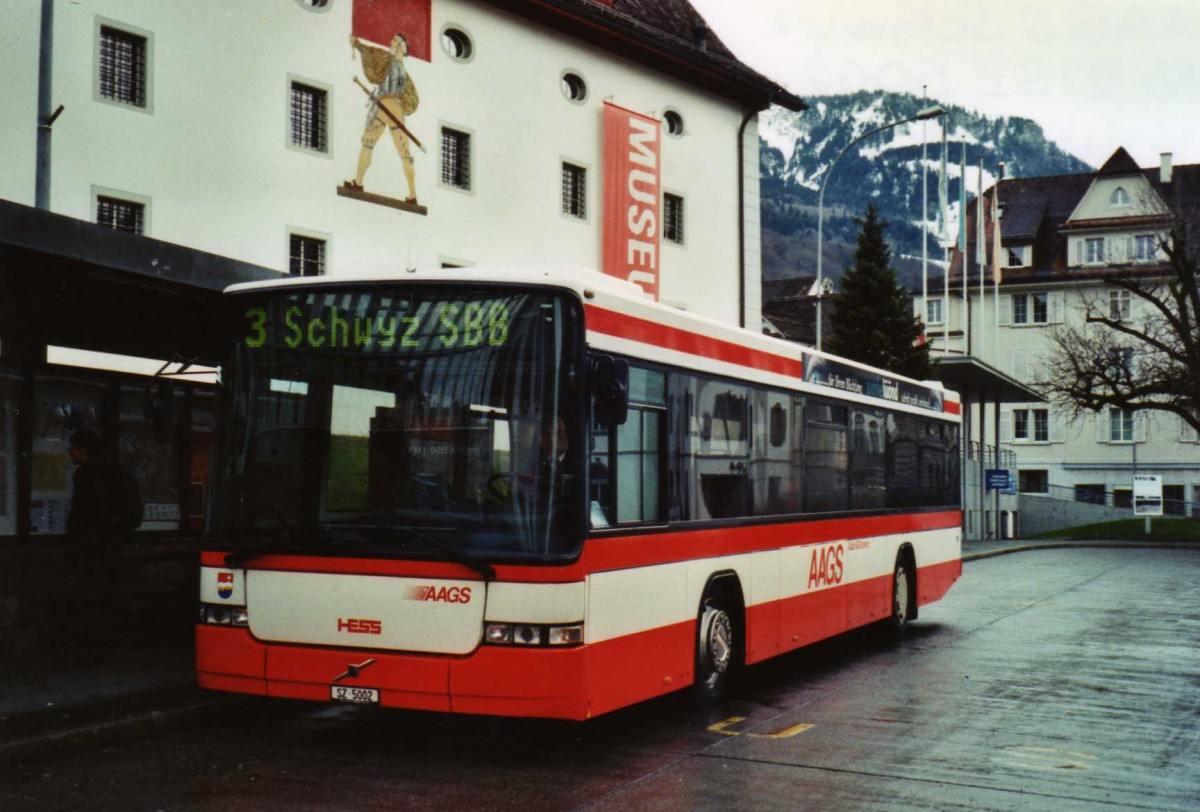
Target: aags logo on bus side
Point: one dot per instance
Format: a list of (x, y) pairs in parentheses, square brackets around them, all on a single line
[(826, 567)]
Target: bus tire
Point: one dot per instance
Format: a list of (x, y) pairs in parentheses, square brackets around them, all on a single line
[(716, 649), (902, 597)]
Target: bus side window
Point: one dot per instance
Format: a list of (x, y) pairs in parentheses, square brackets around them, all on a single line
[(627, 463), (600, 495)]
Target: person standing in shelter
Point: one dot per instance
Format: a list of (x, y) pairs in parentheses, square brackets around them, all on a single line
[(394, 98)]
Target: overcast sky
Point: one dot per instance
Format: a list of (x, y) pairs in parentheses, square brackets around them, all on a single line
[(1096, 74)]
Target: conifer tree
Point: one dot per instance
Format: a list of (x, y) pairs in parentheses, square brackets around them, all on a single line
[(872, 318)]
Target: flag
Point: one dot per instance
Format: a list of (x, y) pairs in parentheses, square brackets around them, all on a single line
[(378, 21), (980, 205), (996, 231), (962, 207), (943, 195)]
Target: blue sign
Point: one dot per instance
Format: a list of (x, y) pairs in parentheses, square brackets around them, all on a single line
[(998, 479)]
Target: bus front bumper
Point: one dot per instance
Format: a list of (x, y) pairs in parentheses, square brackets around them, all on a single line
[(493, 680)]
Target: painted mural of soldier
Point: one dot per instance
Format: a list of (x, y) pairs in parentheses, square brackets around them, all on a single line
[(391, 102)]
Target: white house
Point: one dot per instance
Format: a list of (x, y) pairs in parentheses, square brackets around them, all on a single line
[(1060, 237)]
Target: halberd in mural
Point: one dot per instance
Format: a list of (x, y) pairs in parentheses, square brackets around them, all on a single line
[(393, 99)]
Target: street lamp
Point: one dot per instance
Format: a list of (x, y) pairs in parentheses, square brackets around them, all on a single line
[(922, 115)]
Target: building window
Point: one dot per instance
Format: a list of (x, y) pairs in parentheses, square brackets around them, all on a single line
[(1119, 197), (1030, 308), (1120, 425), (1093, 250), (309, 117), (573, 87), (1145, 248), (673, 122), (1118, 305), (306, 256), (1031, 425), (1092, 494), (1033, 481), (1018, 256), (574, 191), (315, 5), (122, 68), (933, 311), (673, 218), (456, 159), (457, 44), (123, 215)]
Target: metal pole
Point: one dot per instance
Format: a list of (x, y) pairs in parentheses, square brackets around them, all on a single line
[(44, 116)]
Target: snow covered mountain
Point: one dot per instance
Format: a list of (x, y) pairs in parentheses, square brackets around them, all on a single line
[(798, 149)]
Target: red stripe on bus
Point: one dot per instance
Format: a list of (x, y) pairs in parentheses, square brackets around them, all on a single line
[(951, 407), (606, 553), (612, 323), (575, 683)]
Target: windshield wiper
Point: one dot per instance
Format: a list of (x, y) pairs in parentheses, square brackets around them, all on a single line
[(448, 553)]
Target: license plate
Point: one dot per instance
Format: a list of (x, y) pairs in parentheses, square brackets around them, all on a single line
[(361, 696)]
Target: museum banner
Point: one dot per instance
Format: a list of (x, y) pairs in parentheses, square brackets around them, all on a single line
[(632, 149)]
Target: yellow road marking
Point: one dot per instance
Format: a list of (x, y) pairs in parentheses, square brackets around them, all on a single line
[(723, 726)]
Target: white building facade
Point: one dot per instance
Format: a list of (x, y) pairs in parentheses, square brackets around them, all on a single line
[(1059, 237), (234, 127)]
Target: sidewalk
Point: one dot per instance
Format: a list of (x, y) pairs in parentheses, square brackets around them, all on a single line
[(136, 688), (141, 687)]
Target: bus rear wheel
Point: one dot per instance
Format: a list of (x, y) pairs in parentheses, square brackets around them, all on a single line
[(901, 599), (715, 651)]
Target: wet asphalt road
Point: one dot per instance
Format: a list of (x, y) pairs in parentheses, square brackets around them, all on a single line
[(1053, 679)]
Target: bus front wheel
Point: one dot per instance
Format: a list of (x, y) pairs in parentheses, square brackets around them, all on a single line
[(714, 650)]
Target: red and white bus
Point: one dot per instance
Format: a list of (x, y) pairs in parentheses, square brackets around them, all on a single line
[(538, 493)]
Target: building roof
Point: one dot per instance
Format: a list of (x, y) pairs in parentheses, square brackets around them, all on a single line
[(667, 35), (1036, 212)]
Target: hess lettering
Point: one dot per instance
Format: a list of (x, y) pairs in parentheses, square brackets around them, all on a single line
[(355, 625), (826, 567)]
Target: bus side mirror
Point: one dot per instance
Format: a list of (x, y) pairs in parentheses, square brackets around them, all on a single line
[(610, 389)]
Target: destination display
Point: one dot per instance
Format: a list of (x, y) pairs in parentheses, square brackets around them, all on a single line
[(373, 322), (846, 378)]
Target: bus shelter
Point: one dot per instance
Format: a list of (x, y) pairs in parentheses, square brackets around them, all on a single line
[(989, 472), (78, 304)]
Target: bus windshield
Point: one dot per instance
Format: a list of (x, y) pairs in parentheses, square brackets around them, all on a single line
[(408, 421)]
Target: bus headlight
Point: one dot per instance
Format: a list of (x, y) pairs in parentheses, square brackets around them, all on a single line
[(212, 614), (532, 634)]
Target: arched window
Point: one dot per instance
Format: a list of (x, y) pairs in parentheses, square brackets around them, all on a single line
[(1119, 197)]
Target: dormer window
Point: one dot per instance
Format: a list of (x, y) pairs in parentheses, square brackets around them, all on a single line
[(1119, 197), (1018, 256)]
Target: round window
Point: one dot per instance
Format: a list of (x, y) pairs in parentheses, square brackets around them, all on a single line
[(457, 44), (315, 5), (573, 87), (674, 122)]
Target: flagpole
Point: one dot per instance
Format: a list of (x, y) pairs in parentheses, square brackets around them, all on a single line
[(942, 235), (962, 244), (925, 219), (996, 271), (981, 251)]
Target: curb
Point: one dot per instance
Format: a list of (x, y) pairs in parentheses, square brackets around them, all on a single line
[(1059, 545)]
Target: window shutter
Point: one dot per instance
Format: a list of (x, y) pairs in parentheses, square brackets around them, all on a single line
[(1139, 427), (1020, 364), (1054, 304), (1058, 428), (1079, 252), (1187, 434), (1006, 309), (1129, 250), (1102, 426), (1006, 422)]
